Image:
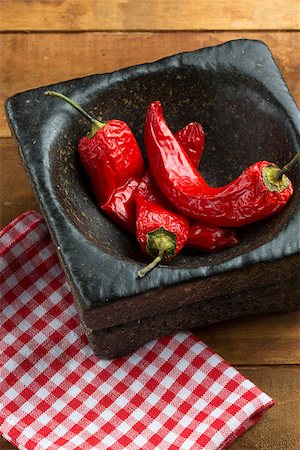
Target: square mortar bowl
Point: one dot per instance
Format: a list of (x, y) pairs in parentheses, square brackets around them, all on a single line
[(236, 91)]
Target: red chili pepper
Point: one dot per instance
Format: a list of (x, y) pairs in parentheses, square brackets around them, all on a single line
[(210, 238), (192, 139), (121, 205), (160, 231), (260, 191), (114, 163), (204, 237), (150, 200), (201, 236), (156, 219)]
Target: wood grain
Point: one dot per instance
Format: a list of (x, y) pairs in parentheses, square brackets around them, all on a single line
[(278, 429), (16, 195), (41, 59), (267, 339), (5, 445), (155, 15)]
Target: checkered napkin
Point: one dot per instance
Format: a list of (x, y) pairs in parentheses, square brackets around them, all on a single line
[(173, 393)]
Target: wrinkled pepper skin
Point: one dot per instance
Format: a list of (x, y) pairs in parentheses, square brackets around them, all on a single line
[(114, 163), (201, 236), (245, 200), (111, 157), (115, 166), (152, 215), (153, 210), (192, 139), (121, 205), (210, 238)]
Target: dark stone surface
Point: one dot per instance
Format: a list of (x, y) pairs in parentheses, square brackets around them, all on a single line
[(273, 288), (235, 90)]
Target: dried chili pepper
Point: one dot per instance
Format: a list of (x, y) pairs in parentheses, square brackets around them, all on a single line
[(150, 200), (210, 238), (121, 205), (260, 191), (201, 236), (160, 231), (204, 237), (114, 163), (192, 139)]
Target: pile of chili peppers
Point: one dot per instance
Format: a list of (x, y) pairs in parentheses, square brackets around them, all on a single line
[(169, 205)]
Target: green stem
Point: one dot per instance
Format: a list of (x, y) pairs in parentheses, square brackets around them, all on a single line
[(288, 166), (95, 124), (145, 270)]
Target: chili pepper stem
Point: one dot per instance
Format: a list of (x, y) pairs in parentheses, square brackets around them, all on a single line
[(145, 270), (288, 166), (95, 124), (161, 244), (275, 178)]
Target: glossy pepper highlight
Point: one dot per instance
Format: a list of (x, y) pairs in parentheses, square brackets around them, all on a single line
[(260, 191), (114, 164), (210, 238)]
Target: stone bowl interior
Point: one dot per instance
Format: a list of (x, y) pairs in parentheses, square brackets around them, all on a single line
[(243, 123)]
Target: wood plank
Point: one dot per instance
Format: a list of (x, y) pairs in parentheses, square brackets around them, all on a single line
[(278, 429), (151, 15), (16, 194), (64, 56), (5, 445), (263, 339)]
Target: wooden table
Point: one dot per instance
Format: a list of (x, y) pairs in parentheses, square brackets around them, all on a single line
[(44, 42)]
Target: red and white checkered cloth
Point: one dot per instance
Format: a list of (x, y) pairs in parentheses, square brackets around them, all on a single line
[(173, 393)]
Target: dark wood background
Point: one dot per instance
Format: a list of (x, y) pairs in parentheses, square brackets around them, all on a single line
[(46, 41)]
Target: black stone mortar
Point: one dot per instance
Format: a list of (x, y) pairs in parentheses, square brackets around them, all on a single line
[(235, 90)]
